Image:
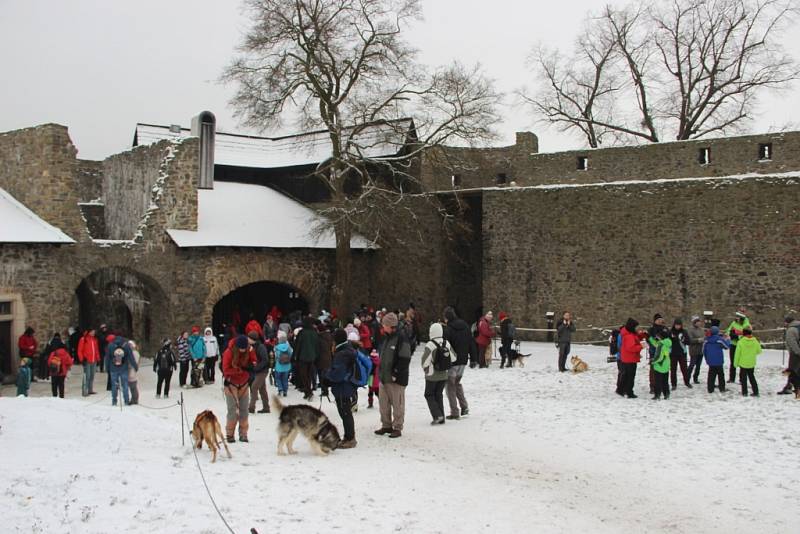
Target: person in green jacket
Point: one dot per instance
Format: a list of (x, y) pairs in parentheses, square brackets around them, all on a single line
[(661, 364), (747, 351), (735, 331)]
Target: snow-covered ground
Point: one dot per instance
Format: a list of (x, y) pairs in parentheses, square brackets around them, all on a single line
[(539, 452)]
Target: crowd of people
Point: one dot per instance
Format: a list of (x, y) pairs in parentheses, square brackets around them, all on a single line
[(326, 355)]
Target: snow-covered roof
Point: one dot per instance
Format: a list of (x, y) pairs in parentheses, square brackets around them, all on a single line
[(21, 225), (245, 215), (376, 141)]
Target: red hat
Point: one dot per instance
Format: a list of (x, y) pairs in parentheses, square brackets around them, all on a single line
[(503, 316), (195, 330)]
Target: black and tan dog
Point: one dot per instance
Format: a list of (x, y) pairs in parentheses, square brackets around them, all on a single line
[(312, 423), (206, 427)]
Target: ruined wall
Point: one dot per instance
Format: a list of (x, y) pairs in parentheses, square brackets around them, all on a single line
[(609, 252), (89, 174), (38, 167)]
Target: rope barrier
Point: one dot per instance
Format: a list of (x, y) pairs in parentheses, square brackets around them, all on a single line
[(202, 475), (159, 407)]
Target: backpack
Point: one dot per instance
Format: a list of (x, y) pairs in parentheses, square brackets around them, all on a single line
[(163, 359), (441, 357), (362, 369), (284, 358), (118, 356), (55, 364)]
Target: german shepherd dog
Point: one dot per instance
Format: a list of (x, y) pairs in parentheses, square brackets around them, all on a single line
[(312, 423), (578, 365), (206, 427)]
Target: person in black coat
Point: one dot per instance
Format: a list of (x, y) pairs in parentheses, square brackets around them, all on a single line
[(458, 335), (344, 391), (680, 340), (163, 365)]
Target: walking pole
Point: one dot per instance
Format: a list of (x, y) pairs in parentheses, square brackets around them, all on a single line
[(183, 427)]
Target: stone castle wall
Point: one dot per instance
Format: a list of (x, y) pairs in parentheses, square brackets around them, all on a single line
[(613, 251)]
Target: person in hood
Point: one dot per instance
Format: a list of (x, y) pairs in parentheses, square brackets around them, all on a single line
[(119, 358), (212, 355), (238, 361), (133, 373), (344, 391), (395, 359), (564, 330), (164, 365), (697, 336), (59, 363), (184, 357), (734, 331), (88, 356), (661, 364), (791, 338), (435, 371), (679, 340), (630, 350), (747, 352), (458, 336), (253, 326), (283, 363), (713, 350)]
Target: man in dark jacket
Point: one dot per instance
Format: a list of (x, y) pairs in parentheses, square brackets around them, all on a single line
[(260, 370), (458, 335), (564, 330), (338, 376), (395, 358), (678, 354), (306, 352)]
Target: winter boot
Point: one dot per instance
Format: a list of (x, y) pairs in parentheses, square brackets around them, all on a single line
[(383, 431), (396, 433)]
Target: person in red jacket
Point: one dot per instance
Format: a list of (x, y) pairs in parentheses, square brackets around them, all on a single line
[(364, 334), (27, 349), (58, 365), (484, 339), (630, 354), (88, 356), (237, 362), (253, 326)]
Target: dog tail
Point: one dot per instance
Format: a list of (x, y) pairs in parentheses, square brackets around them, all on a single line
[(276, 403)]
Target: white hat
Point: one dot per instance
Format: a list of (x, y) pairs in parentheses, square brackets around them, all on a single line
[(353, 336)]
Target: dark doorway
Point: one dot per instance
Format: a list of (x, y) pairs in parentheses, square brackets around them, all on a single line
[(254, 301), (6, 348)]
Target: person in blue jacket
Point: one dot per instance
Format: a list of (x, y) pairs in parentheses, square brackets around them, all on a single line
[(197, 348), (119, 358), (713, 350), (344, 391)]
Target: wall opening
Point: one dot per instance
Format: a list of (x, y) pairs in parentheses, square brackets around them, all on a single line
[(765, 151), (127, 302), (582, 163), (455, 180), (704, 156), (501, 178), (254, 301)]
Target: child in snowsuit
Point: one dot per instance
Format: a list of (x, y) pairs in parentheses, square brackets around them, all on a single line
[(661, 364), (24, 377), (715, 358), (747, 350)]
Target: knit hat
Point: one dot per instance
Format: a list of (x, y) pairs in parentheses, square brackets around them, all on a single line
[(390, 319), (356, 322), (695, 318), (339, 336), (714, 330), (241, 342), (195, 330), (502, 316), (353, 336), (677, 320), (657, 316), (788, 319), (282, 336), (740, 314), (252, 334)]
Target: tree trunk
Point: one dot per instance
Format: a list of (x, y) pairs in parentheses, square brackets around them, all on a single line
[(341, 291)]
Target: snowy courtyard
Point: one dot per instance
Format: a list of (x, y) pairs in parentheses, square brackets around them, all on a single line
[(539, 452)]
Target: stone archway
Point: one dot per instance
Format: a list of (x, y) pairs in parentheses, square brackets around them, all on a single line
[(127, 301), (254, 301)]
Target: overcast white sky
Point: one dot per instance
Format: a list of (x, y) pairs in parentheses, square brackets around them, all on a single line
[(101, 66)]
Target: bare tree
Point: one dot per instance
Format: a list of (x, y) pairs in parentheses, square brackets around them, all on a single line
[(342, 66), (691, 67)]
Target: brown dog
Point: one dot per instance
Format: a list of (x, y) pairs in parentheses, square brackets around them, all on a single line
[(206, 427), (578, 365)]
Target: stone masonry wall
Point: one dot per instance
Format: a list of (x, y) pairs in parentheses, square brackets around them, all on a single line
[(609, 252)]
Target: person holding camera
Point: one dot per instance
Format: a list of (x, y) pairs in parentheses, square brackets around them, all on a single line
[(564, 330)]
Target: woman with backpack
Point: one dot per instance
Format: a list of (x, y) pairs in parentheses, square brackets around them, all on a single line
[(58, 365), (163, 365), (437, 358), (283, 363)]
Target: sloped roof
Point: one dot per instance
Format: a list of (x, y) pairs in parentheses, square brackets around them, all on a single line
[(246, 215), (21, 225), (376, 141)]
